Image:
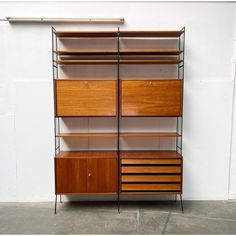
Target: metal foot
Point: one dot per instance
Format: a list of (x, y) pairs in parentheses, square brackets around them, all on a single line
[(181, 201), (55, 207), (60, 199)]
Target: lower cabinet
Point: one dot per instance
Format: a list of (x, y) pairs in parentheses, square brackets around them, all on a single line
[(86, 175)]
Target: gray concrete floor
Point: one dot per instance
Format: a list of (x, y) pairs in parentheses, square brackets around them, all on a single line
[(163, 217)]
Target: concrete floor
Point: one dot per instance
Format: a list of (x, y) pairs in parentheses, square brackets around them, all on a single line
[(163, 217)]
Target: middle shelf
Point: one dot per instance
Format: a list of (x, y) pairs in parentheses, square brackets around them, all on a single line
[(123, 134)]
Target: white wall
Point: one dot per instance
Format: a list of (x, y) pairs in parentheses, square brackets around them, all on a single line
[(26, 100)]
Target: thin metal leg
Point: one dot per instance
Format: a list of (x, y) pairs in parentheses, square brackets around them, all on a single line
[(60, 199), (55, 208), (118, 205), (181, 201)]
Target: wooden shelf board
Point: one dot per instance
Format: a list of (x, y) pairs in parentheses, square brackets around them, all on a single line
[(148, 61), (84, 135), (122, 61), (87, 154), (122, 52), (86, 34), (150, 52), (150, 134), (149, 154), (86, 52), (122, 33), (150, 33), (83, 62)]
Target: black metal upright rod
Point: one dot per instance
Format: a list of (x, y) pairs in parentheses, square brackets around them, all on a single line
[(118, 117)]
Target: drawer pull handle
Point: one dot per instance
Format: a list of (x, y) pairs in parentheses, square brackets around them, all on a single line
[(150, 83), (89, 174)]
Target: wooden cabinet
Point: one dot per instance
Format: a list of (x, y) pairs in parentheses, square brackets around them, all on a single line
[(86, 98), (151, 98), (85, 172)]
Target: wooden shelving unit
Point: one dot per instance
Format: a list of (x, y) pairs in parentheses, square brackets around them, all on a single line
[(119, 172)]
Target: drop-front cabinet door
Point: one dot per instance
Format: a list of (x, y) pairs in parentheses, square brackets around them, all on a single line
[(86, 97), (71, 175), (102, 175), (151, 97)]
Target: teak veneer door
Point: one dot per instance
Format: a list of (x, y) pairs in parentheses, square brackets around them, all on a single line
[(151, 97), (71, 175), (86, 98), (102, 175)]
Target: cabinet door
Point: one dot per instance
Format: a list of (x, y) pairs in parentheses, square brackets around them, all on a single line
[(71, 175), (102, 175), (151, 98), (86, 98)]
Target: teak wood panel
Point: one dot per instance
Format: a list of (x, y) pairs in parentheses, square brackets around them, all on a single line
[(150, 178), (151, 169), (149, 154), (86, 98), (86, 175), (87, 154), (151, 98), (150, 161), (102, 175), (150, 187), (71, 175)]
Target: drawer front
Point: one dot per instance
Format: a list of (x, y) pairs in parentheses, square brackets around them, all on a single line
[(86, 98), (150, 161), (150, 178), (150, 187), (151, 169), (151, 98)]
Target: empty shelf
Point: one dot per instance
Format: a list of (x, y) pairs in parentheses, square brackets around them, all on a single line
[(84, 135), (150, 134)]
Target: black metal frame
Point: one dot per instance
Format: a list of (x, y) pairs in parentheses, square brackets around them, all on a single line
[(179, 119)]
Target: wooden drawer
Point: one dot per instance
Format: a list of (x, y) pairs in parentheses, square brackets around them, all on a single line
[(151, 97), (150, 161), (150, 178), (86, 98), (150, 187), (150, 169)]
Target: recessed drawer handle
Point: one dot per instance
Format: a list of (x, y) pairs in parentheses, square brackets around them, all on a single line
[(89, 174), (150, 83), (86, 83)]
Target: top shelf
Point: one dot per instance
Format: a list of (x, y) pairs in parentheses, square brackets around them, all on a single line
[(122, 33)]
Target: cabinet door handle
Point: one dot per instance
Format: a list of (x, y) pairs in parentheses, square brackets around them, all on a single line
[(86, 83), (150, 83), (89, 174)]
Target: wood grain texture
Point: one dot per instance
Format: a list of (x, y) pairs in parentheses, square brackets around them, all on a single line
[(150, 178), (151, 98), (149, 154), (151, 134), (151, 169), (150, 161), (102, 175), (87, 135), (86, 98), (150, 187), (71, 175), (87, 154)]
